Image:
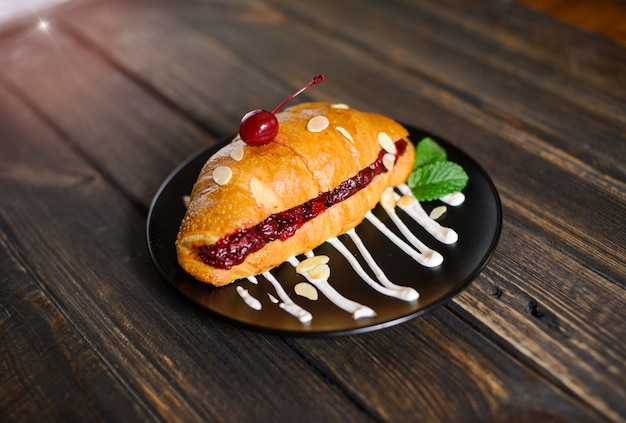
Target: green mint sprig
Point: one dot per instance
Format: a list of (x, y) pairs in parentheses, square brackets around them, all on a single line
[(433, 175)]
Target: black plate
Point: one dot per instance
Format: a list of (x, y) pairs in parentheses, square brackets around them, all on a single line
[(477, 221)]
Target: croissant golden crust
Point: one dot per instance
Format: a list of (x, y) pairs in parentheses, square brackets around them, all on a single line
[(294, 168)]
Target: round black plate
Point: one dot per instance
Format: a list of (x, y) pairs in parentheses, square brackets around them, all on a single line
[(477, 221)]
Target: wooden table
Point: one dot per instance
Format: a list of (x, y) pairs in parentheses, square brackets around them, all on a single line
[(96, 111)]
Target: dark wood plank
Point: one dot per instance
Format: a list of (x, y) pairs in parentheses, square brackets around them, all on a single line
[(545, 310), (505, 139), (171, 361), (435, 369), (504, 147), (530, 84), (605, 17), (160, 50), (106, 117), (47, 364), (560, 54)]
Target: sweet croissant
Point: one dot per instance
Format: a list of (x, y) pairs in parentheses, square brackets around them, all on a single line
[(254, 207)]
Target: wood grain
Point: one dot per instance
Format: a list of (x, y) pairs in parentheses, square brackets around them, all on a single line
[(605, 17), (163, 351), (429, 369), (46, 362), (96, 113)]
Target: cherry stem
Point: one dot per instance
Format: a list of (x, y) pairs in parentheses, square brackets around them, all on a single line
[(319, 78)]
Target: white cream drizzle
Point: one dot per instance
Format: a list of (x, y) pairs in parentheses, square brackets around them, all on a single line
[(357, 310), (248, 298), (389, 288), (426, 257), (415, 248), (287, 303), (415, 210), (454, 199)]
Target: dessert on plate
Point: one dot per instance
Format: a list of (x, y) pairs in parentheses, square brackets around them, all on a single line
[(292, 180), (255, 206)]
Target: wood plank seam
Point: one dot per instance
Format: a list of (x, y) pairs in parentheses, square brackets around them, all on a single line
[(614, 259), (143, 83), (328, 375), (12, 241), (74, 146), (443, 91), (536, 313), (524, 361)]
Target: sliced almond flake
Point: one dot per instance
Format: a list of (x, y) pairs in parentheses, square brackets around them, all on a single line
[(343, 131), (310, 263), (317, 124), (387, 199), (437, 212), (237, 153), (387, 143), (320, 272), (389, 160), (258, 192), (186, 200), (222, 175), (306, 290), (406, 200), (339, 106)]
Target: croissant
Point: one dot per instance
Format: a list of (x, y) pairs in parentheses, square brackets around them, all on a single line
[(254, 207)]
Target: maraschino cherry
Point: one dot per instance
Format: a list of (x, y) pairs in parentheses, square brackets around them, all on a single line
[(259, 127)]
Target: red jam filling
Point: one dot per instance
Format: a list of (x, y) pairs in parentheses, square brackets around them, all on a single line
[(234, 248)]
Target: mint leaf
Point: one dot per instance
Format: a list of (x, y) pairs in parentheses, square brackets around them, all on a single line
[(428, 151), (436, 179), (433, 175)]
